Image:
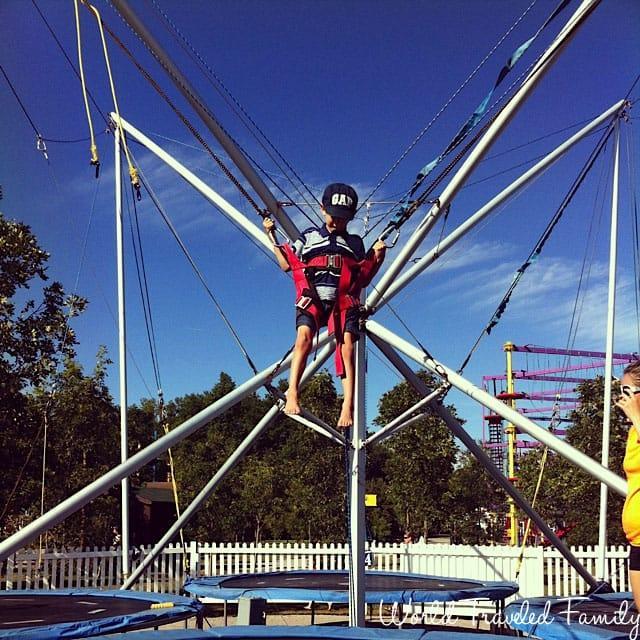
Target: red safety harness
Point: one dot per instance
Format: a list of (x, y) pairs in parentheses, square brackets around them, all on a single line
[(354, 276)]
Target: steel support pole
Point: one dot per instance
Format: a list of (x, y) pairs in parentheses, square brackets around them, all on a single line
[(478, 152), (314, 423), (496, 406), (226, 208), (229, 464), (459, 432), (135, 462), (357, 480), (531, 174), (403, 420), (122, 358), (608, 367), (191, 95)]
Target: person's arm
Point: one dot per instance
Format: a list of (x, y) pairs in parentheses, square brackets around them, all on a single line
[(270, 227), (630, 405)]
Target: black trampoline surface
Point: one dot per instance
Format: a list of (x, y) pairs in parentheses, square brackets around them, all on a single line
[(339, 580), (32, 610), (79, 613), (333, 586)]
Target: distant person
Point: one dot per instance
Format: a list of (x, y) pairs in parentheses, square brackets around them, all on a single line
[(629, 402), (407, 538), (330, 268)]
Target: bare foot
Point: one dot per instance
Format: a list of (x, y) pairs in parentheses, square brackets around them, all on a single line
[(346, 418), (292, 407)]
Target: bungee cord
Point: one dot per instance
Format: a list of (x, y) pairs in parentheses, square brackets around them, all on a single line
[(451, 98), (93, 148), (40, 143), (236, 106), (68, 59), (495, 318), (407, 206), (192, 129), (133, 172)]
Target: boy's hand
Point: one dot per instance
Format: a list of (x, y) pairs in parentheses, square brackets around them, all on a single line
[(379, 248), (268, 224)]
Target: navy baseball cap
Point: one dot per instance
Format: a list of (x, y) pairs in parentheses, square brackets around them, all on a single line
[(340, 200)]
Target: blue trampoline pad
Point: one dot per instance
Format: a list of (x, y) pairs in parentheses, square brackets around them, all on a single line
[(333, 586), (607, 616), (301, 633), (80, 613)]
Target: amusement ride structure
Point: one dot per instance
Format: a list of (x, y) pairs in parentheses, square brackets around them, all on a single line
[(395, 278)]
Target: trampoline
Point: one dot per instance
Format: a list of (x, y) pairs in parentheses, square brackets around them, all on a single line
[(607, 616), (333, 586), (302, 633), (80, 613)]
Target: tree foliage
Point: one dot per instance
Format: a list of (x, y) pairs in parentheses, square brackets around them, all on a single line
[(569, 497)]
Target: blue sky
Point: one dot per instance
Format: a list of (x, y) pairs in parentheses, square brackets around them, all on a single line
[(341, 89)]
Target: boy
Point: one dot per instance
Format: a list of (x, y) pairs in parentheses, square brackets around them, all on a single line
[(330, 268)]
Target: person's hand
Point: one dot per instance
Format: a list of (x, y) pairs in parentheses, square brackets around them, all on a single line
[(269, 225), (630, 405), (379, 247)]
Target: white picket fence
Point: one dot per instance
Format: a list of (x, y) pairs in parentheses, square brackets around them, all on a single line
[(543, 571)]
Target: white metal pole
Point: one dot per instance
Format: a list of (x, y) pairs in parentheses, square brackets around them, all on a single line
[(459, 432), (191, 95), (122, 357), (142, 457), (229, 464), (226, 208), (608, 366), (403, 420), (357, 480), (527, 426), (444, 245), (494, 130)]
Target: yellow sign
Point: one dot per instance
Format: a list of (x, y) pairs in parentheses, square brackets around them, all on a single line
[(370, 500)]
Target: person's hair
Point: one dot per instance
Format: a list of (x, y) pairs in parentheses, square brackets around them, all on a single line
[(633, 370)]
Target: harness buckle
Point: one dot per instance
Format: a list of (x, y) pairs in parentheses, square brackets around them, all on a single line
[(303, 302), (334, 261)]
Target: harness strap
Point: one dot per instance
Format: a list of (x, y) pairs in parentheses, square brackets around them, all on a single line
[(354, 276)]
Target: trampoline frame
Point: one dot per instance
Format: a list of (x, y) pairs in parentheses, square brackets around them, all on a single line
[(172, 608)]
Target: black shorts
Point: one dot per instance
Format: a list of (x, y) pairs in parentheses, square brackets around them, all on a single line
[(634, 558), (351, 323)]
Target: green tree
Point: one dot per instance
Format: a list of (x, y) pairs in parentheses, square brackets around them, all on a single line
[(476, 504), (83, 443), (568, 495), (35, 337), (420, 461)]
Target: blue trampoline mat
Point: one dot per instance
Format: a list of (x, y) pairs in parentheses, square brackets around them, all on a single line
[(607, 616), (333, 586), (80, 613), (301, 633)]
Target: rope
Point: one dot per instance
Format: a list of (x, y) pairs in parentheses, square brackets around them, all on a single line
[(543, 462), (406, 206), (133, 172), (136, 241), (495, 318), (196, 134), (93, 148), (235, 105), (40, 144), (68, 59), (446, 105)]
